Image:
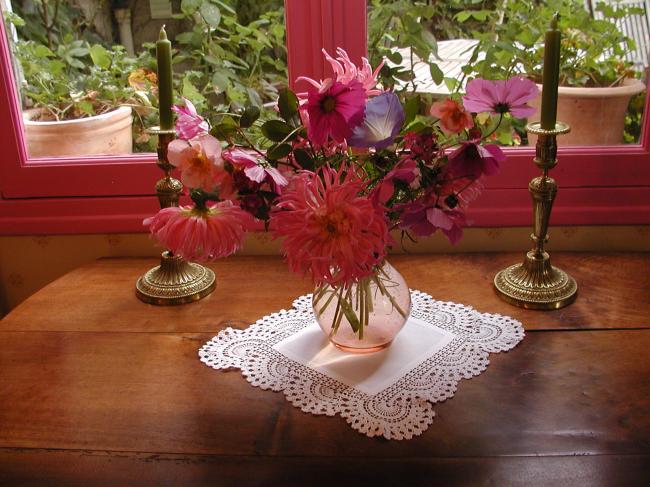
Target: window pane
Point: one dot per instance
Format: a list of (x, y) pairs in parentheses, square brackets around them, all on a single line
[(604, 52), (86, 65)]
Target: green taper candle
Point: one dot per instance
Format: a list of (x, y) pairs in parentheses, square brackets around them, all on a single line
[(165, 92), (551, 74)]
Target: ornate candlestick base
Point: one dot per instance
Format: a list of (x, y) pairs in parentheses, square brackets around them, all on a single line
[(536, 284), (175, 281)]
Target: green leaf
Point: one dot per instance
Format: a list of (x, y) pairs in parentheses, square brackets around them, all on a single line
[(86, 107), (395, 57), (14, 19), (190, 92), (100, 56), (41, 51), (451, 84), (304, 159), (481, 15), (276, 130), (236, 94), (224, 129), (436, 73), (278, 151), (211, 14), (463, 16), (288, 104), (411, 109), (220, 81), (250, 115), (225, 6), (188, 7), (430, 41)]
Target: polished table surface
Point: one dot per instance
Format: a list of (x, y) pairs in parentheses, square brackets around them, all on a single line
[(97, 388)]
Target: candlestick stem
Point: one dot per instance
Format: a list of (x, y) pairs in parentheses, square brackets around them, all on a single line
[(174, 281), (535, 283)]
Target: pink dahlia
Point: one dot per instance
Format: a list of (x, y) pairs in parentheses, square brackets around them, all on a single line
[(329, 230), (201, 235), (334, 110), (472, 160), (453, 117), (501, 96), (199, 161), (189, 123), (345, 71), (256, 168)]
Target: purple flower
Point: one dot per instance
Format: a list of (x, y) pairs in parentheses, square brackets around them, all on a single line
[(501, 96), (383, 120), (423, 220), (256, 169), (472, 160), (189, 123)]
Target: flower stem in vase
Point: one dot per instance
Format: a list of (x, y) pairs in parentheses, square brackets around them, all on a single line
[(366, 315)]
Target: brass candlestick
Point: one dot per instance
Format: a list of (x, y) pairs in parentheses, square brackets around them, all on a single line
[(174, 281), (536, 284)]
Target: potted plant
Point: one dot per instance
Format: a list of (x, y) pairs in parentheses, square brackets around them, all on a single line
[(596, 82), (78, 97)]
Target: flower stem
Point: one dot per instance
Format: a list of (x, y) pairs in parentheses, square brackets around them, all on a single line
[(494, 129)]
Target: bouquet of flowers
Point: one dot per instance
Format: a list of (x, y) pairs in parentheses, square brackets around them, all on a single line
[(338, 169)]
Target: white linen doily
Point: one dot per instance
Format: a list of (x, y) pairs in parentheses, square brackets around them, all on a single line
[(387, 393)]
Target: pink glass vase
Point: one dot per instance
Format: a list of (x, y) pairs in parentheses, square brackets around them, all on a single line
[(366, 316)]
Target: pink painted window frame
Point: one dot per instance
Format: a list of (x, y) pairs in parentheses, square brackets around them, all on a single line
[(598, 185)]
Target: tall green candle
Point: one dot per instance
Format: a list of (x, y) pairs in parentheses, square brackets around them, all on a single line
[(165, 93), (551, 74)]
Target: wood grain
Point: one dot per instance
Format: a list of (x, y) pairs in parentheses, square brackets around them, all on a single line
[(84, 468), (557, 393), (97, 388), (614, 292)]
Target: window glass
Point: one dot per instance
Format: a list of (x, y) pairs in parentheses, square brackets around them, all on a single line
[(435, 47), (79, 59), (86, 69)]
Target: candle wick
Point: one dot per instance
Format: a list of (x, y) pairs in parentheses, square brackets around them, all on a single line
[(555, 20)]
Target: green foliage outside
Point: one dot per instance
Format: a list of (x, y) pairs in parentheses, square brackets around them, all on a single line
[(592, 50), (232, 53)]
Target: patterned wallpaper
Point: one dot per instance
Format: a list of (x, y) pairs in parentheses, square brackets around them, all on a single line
[(29, 263)]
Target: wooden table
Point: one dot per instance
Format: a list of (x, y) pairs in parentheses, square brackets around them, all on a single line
[(97, 388)]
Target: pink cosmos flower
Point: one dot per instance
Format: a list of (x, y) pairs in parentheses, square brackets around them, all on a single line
[(199, 161), (345, 71), (472, 160), (453, 117), (201, 235), (329, 230), (256, 168), (501, 96), (424, 220), (189, 123), (334, 110)]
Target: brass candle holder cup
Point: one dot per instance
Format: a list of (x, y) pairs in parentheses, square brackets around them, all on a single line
[(174, 281), (536, 284)]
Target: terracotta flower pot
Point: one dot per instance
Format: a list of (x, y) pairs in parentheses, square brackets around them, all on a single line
[(596, 115), (108, 133)]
